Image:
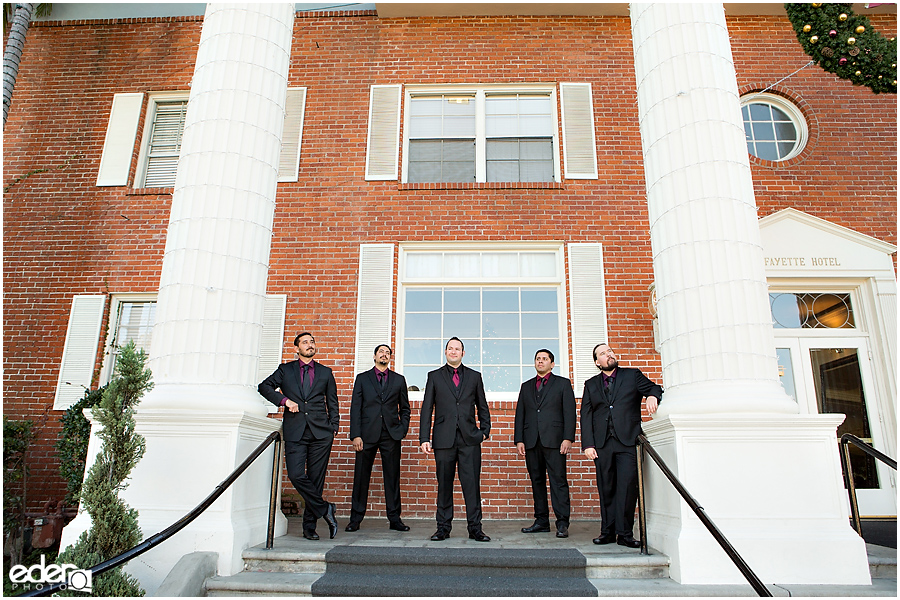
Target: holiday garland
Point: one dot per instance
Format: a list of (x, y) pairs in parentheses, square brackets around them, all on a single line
[(845, 44)]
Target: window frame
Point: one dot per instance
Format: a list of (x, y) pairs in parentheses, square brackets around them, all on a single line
[(112, 327), (787, 107), (480, 93), (154, 99), (562, 361)]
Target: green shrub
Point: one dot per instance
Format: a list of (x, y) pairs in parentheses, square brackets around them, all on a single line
[(72, 444)]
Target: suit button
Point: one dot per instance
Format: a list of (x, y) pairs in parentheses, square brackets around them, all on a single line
[(539, 410)]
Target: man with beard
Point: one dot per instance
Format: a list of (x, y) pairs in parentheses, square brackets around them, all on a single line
[(379, 420), (610, 424), (308, 394)]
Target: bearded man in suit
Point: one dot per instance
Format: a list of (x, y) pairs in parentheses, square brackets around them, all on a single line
[(379, 420), (454, 395), (610, 424), (307, 391), (544, 432)]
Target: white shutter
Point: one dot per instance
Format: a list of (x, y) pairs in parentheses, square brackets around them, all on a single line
[(579, 147), (80, 350), (118, 147), (289, 163), (374, 301), (383, 143), (588, 303), (165, 143), (271, 342)]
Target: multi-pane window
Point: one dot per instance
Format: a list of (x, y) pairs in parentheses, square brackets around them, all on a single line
[(165, 143), (775, 129), (504, 306), (134, 323), (481, 135)]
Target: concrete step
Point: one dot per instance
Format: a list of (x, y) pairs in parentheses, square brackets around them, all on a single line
[(262, 583)]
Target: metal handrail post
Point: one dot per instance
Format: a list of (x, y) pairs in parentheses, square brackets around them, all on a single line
[(699, 511), (642, 509), (851, 487), (273, 494)]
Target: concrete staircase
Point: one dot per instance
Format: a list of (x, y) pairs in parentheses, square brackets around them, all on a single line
[(432, 571)]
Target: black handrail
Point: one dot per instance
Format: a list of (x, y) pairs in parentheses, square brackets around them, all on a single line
[(749, 575), (162, 536), (847, 468)]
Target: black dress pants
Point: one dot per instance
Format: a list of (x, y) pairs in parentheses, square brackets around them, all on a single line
[(362, 475), (467, 459), (307, 462), (542, 462), (616, 466)]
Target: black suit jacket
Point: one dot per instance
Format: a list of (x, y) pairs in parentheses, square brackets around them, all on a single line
[(553, 417), (464, 407), (626, 394), (370, 406), (319, 410)]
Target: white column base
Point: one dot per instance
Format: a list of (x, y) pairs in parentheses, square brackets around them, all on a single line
[(771, 483), (188, 454)]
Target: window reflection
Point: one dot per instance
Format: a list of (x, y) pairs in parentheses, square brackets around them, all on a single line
[(811, 311)]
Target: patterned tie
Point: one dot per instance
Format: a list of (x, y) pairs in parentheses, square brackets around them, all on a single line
[(456, 377)]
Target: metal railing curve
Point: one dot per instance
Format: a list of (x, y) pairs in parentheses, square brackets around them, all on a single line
[(743, 567), (183, 522), (847, 468)]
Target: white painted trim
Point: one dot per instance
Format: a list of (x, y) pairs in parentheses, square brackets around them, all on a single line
[(76, 369), (118, 146)]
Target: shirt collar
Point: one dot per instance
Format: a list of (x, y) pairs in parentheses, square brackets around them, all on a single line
[(311, 363), (379, 371), (610, 377)]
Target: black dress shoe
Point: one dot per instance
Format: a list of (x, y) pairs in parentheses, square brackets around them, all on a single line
[(331, 520), (440, 535), (310, 535), (399, 526), (628, 542), (352, 526), (562, 530), (478, 536), (604, 539), (536, 528)]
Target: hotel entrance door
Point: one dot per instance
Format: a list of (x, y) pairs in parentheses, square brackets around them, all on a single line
[(833, 375)]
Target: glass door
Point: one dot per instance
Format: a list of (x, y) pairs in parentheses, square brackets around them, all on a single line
[(833, 375)]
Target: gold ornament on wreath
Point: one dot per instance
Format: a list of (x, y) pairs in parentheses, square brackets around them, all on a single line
[(821, 26)]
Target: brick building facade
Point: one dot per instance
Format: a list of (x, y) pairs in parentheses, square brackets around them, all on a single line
[(66, 236)]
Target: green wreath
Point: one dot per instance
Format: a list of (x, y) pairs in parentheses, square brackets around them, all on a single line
[(845, 44)]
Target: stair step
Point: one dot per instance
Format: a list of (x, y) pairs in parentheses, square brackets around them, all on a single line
[(262, 583), (377, 584)]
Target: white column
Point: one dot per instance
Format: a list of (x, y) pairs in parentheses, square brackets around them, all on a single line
[(715, 329), (212, 287), (204, 415), (768, 477)]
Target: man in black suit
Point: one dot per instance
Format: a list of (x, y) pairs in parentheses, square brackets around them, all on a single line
[(610, 424), (544, 433), (454, 394), (379, 419), (308, 394)]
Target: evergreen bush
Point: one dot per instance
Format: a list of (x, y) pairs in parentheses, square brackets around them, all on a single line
[(114, 527), (72, 444)]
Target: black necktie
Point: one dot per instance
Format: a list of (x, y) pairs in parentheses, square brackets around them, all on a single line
[(305, 383), (540, 384), (381, 378)]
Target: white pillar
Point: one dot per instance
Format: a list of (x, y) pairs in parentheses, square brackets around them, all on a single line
[(768, 477), (204, 416)]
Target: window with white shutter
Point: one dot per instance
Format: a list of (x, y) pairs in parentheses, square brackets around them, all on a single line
[(289, 162), (588, 306), (374, 301), (579, 145), (161, 145), (118, 147), (383, 143), (79, 350)]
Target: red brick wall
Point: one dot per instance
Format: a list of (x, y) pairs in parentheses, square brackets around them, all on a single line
[(64, 236)]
